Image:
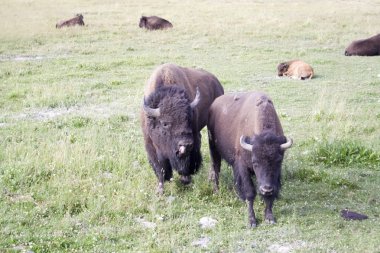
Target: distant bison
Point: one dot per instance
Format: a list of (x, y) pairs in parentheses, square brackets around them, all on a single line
[(154, 23), (78, 20), (244, 130), (176, 104), (366, 47), (295, 69)]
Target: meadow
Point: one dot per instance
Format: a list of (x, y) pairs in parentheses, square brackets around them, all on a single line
[(74, 175)]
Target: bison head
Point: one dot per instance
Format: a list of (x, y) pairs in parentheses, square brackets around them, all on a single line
[(282, 68), (169, 113), (267, 152), (143, 21)]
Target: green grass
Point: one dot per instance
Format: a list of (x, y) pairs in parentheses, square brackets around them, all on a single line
[(74, 175)]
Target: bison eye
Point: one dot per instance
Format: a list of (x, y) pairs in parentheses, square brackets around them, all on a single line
[(165, 124)]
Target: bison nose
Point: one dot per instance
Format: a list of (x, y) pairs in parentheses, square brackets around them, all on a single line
[(266, 190), (184, 147)]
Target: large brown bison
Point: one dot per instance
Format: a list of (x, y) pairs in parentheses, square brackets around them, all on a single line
[(77, 20), (245, 131), (295, 69), (365, 47), (154, 23), (176, 104)]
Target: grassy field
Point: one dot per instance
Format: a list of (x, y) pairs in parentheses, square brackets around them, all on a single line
[(74, 175)]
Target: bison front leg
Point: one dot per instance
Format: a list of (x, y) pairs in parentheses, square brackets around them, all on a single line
[(247, 189), (268, 210), (251, 214), (159, 166)]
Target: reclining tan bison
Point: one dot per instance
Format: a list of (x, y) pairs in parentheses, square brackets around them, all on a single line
[(175, 109), (365, 47), (295, 69), (245, 131), (154, 23), (78, 20)]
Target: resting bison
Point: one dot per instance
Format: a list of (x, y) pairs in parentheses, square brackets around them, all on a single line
[(245, 131), (295, 69), (154, 23), (366, 47), (78, 20), (176, 104)]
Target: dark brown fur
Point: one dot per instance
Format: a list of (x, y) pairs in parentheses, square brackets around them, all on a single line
[(172, 88), (365, 47), (78, 20), (249, 114), (154, 23)]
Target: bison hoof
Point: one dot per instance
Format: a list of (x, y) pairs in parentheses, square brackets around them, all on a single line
[(270, 221), (185, 180), (252, 225)]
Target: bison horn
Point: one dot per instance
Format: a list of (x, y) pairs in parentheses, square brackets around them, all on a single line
[(153, 112), (244, 144), (196, 99), (288, 144)]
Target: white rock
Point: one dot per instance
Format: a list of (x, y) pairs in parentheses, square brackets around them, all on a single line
[(207, 222), (202, 242), (146, 224)]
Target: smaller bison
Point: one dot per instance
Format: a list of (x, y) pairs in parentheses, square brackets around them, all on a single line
[(244, 130), (365, 47), (295, 69), (154, 23), (78, 20)]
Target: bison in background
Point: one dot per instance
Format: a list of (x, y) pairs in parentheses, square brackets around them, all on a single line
[(245, 131), (78, 20), (365, 47), (295, 69), (176, 104), (154, 23)]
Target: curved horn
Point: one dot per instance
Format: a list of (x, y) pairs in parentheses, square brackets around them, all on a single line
[(288, 144), (151, 111), (244, 144), (196, 99)]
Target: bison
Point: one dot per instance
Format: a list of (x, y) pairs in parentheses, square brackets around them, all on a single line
[(154, 23), (175, 109), (295, 69), (78, 20), (245, 131), (365, 47)]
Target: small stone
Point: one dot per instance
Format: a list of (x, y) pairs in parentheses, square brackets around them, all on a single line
[(207, 222), (146, 224), (202, 242)]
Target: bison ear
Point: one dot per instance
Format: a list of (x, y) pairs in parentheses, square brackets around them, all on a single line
[(196, 99), (244, 144)]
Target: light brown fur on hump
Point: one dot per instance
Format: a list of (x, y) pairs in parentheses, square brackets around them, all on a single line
[(167, 74)]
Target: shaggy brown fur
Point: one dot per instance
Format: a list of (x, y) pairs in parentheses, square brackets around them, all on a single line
[(172, 88), (78, 20), (154, 23), (365, 47), (251, 115), (295, 69)]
